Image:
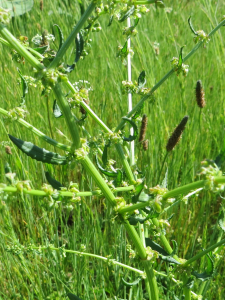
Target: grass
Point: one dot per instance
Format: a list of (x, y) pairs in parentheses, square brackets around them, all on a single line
[(31, 220)]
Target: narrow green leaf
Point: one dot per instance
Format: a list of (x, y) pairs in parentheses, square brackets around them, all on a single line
[(79, 46), (41, 50), (180, 57), (155, 246), (105, 155), (56, 110), (53, 182), (134, 136), (38, 153), (110, 20), (208, 273), (138, 112), (105, 172), (190, 282), (127, 14), (7, 168), (118, 180), (191, 27), (24, 85), (131, 283), (141, 79), (60, 34), (73, 297)]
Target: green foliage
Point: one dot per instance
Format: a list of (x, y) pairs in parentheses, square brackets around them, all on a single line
[(44, 221)]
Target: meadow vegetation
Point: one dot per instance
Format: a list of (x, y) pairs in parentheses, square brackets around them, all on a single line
[(90, 225)]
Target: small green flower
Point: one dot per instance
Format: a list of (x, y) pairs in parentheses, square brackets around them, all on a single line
[(5, 16)]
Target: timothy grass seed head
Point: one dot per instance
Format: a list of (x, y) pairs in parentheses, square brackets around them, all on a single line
[(200, 94), (176, 135)]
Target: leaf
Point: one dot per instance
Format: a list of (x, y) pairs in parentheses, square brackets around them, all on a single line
[(127, 14), (17, 7), (56, 110), (131, 283), (208, 272), (138, 190), (73, 297), (164, 255), (41, 50), (155, 246), (138, 112), (221, 220), (7, 168), (110, 20), (141, 79), (190, 283), (191, 27), (134, 136), (24, 86), (54, 183), (105, 155), (60, 33), (118, 180), (79, 46), (133, 220), (38, 153), (180, 61), (123, 51), (105, 172)]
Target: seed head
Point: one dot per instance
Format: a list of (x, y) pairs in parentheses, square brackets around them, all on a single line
[(145, 145), (8, 150), (176, 135), (41, 5), (144, 123), (200, 94)]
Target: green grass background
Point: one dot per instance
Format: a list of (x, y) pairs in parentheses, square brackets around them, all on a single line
[(30, 219)]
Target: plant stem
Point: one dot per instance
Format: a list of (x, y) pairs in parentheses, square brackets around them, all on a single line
[(160, 172), (88, 109), (66, 111), (37, 54), (20, 48), (37, 132), (147, 264), (72, 36), (199, 255), (12, 189), (144, 98)]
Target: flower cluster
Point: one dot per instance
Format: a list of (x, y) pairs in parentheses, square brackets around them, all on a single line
[(5, 15), (132, 87), (17, 112), (179, 68), (201, 37), (210, 171)]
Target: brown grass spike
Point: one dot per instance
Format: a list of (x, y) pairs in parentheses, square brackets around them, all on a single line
[(144, 123), (176, 135), (200, 94)]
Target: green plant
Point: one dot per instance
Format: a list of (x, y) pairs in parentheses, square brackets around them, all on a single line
[(140, 206)]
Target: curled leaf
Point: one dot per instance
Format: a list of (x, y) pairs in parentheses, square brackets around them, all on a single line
[(134, 136)]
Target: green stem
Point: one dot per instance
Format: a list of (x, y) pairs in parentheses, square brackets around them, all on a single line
[(37, 54), (12, 189), (88, 109), (37, 132), (160, 172), (15, 44), (66, 111), (106, 129), (107, 260), (125, 163), (142, 253), (72, 36), (91, 169), (199, 255), (144, 98)]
